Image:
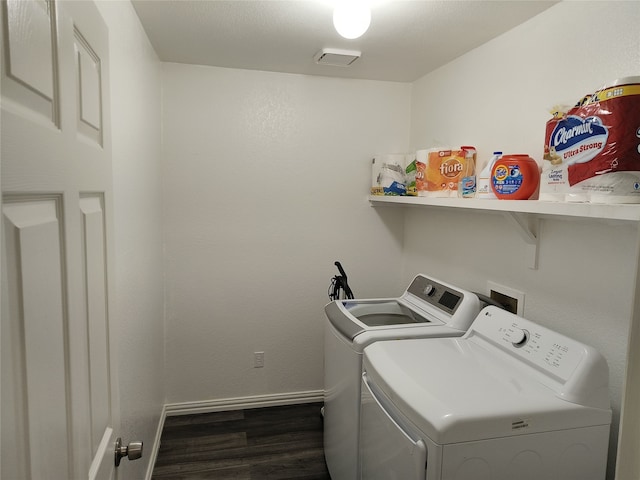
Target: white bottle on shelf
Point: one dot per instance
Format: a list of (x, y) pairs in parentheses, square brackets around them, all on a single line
[(484, 190)]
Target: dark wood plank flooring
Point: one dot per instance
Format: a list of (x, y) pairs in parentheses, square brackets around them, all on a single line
[(283, 442)]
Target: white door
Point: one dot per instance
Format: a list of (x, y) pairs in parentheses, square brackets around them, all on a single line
[(59, 410)]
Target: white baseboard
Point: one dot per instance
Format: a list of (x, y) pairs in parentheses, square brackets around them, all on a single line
[(226, 404), (240, 403)]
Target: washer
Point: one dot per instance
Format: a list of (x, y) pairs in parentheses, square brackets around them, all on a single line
[(428, 308), (510, 399)]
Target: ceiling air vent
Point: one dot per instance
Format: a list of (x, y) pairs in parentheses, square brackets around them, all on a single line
[(336, 57)]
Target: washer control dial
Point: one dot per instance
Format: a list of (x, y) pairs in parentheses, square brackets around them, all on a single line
[(429, 290)]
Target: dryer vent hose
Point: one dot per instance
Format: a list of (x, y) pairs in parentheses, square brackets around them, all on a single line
[(339, 287), (489, 300)]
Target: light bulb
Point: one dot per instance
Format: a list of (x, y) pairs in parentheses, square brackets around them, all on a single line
[(351, 18)]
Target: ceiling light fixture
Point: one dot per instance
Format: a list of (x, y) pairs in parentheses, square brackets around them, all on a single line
[(351, 18)]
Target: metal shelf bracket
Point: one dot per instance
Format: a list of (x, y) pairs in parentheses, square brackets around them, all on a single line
[(527, 226)]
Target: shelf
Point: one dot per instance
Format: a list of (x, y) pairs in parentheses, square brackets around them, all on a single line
[(623, 212), (523, 215)]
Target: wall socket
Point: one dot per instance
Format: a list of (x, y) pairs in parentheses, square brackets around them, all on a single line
[(258, 359), (511, 299)]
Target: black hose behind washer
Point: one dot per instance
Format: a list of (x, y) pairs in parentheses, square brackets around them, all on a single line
[(339, 284)]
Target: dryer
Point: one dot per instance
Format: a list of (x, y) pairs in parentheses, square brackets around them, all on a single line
[(510, 399), (428, 308)]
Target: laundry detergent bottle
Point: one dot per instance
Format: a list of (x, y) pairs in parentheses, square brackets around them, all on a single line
[(484, 189), (515, 177)]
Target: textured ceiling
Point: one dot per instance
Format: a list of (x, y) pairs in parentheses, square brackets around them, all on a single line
[(406, 39)]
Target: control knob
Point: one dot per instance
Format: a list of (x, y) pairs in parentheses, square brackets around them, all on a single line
[(517, 336), (429, 290)]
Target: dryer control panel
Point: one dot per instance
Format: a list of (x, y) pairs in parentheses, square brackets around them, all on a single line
[(572, 368), (548, 351)]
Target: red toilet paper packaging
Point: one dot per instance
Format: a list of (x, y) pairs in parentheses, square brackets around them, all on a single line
[(592, 152)]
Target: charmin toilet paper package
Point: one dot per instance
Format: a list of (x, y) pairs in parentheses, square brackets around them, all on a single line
[(592, 151)]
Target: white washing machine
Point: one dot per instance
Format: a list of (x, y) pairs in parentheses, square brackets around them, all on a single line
[(509, 400), (428, 308)]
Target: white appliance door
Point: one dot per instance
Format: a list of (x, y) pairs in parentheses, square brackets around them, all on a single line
[(387, 451)]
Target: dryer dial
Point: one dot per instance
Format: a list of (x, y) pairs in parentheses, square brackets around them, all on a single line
[(517, 336)]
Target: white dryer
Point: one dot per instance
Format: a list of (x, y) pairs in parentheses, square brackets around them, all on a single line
[(509, 400), (428, 308)]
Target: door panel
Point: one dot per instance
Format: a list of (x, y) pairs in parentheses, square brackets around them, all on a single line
[(31, 75), (58, 374), (89, 89), (94, 263), (34, 44), (34, 357)]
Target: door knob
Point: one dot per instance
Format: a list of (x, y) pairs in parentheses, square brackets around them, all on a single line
[(133, 451)]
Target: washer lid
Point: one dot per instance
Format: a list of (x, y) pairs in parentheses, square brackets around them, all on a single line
[(455, 390), (353, 317)]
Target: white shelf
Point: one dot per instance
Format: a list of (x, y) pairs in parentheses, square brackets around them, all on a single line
[(626, 212), (523, 215)]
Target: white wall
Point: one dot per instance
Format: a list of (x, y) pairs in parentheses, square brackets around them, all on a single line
[(266, 177), (136, 140), (497, 98)]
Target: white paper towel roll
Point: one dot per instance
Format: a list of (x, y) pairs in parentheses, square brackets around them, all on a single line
[(379, 161)]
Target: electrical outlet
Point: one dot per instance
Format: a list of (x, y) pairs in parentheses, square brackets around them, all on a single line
[(511, 299), (258, 359)]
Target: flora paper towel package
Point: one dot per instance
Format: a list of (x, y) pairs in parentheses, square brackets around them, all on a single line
[(440, 170), (592, 151)]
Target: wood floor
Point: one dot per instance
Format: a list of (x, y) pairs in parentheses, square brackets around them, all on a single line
[(259, 444)]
